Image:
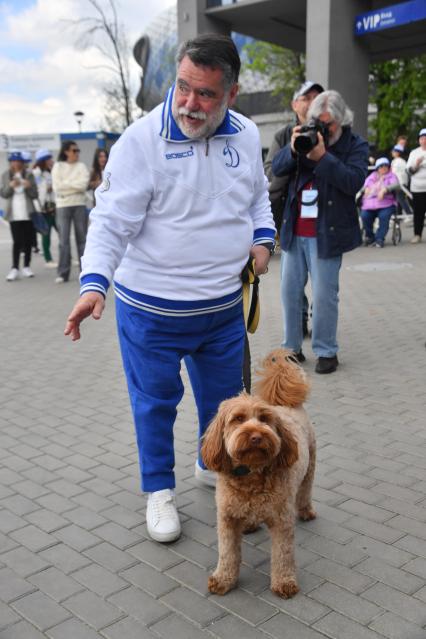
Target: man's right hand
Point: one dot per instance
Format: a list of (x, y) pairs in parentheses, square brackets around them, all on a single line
[(295, 134), (90, 303)]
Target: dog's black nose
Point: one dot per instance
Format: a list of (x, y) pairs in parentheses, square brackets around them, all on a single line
[(255, 439)]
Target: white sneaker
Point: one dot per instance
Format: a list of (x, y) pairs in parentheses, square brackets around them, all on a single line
[(27, 272), (59, 280), (207, 477), (416, 239), (12, 275), (51, 264), (162, 518)]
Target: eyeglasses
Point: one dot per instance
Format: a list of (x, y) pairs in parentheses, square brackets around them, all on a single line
[(75, 150)]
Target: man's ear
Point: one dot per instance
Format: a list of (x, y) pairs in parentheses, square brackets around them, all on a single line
[(233, 94)]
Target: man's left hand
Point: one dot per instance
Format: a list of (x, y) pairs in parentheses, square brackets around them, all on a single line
[(318, 151), (261, 256)]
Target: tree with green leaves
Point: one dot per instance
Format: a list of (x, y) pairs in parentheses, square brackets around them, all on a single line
[(284, 68), (397, 89)]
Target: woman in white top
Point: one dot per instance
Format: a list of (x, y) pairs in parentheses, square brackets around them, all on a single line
[(416, 167), (42, 173), (19, 189), (70, 179)]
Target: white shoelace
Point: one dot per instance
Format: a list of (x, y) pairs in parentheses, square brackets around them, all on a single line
[(163, 505)]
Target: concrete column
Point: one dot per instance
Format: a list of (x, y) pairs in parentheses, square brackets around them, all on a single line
[(192, 20), (335, 57)]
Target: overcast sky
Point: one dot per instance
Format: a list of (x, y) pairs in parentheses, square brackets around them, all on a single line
[(44, 77)]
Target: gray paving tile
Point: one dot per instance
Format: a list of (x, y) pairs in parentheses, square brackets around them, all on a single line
[(139, 605), (196, 608), (93, 609), (101, 581), (55, 583), (284, 627), (394, 627), (12, 587), (338, 626), (40, 610), (397, 602), (21, 630), (72, 629)]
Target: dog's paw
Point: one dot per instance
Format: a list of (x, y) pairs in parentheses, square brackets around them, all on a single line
[(285, 589), (306, 514), (219, 586)]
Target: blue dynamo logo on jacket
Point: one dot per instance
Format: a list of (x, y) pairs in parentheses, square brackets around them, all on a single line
[(234, 158)]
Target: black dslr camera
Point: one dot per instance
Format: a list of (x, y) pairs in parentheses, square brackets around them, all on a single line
[(308, 137)]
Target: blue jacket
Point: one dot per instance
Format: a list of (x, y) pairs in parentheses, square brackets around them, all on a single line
[(338, 176)]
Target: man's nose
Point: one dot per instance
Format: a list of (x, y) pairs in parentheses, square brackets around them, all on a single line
[(191, 102)]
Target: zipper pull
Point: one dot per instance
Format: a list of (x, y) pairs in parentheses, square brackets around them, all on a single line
[(207, 146)]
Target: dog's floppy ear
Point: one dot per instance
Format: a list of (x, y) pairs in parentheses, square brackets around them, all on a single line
[(289, 452), (213, 449)]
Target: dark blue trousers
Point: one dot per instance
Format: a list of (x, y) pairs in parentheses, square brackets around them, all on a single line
[(152, 348)]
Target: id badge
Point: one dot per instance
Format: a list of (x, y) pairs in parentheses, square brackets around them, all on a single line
[(309, 204)]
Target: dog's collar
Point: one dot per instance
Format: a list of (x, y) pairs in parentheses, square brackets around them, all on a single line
[(241, 471)]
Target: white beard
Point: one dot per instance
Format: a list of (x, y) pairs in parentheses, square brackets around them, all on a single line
[(211, 121)]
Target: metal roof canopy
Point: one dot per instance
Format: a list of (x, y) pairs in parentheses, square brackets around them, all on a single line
[(283, 22)]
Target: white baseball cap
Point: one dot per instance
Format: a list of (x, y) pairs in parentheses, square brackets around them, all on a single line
[(306, 87), (381, 162), (422, 132)]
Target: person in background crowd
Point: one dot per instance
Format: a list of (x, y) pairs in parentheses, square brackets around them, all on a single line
[(42, 173), (100, 159), (399, 167), (379, 200), (184, 204), (320, 222), (19, 189), (27, 157), (402, 141), (278, 186), (70, 179), (416, 167)]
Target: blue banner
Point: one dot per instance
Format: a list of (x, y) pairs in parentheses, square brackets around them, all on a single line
[(389, 17)]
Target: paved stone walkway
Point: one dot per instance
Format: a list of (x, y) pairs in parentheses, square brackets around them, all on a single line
[(75, 558)]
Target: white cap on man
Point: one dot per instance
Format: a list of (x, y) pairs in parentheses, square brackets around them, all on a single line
[(42, 154), (422, 132), (306, 87)]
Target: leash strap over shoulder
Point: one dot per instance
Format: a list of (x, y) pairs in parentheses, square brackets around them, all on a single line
[(250, 302)]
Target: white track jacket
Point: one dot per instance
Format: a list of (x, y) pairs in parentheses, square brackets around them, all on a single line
[(175, 218)]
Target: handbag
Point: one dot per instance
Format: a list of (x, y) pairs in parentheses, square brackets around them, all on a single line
[(39, 222)]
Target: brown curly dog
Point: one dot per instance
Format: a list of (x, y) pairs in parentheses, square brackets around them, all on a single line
[(263, 449)]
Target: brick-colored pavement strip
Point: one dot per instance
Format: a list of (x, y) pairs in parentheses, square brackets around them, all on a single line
[(75, 559)]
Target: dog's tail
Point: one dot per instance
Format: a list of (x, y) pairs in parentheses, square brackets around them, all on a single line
[(281, 381)]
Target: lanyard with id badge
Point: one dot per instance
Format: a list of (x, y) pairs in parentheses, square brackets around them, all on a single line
[(309, 204)]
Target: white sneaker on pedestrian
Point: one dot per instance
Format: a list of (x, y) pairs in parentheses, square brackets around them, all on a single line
[(416, 239), (59, 280), (12, 275), (162, 518), (27, 272), (207, 477), (51, 264)]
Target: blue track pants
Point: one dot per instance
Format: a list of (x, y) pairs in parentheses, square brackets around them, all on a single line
[(152, 348)]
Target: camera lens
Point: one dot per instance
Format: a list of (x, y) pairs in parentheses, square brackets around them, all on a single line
[(305, 142)]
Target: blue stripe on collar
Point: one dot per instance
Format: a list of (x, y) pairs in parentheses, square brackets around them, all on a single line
[(171, 132)]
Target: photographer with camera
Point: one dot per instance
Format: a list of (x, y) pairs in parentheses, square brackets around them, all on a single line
[(327, 165)]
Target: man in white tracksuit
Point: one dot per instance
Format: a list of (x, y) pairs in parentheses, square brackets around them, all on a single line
[(183, 203)]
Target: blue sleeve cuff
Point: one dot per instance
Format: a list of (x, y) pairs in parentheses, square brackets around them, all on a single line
[(94, 282), (264, 236)]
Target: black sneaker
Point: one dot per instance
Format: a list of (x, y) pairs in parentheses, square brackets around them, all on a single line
[(299, 357), (326, 365), (369, 241)]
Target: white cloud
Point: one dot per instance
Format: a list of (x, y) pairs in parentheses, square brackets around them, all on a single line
[(41, 92)]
